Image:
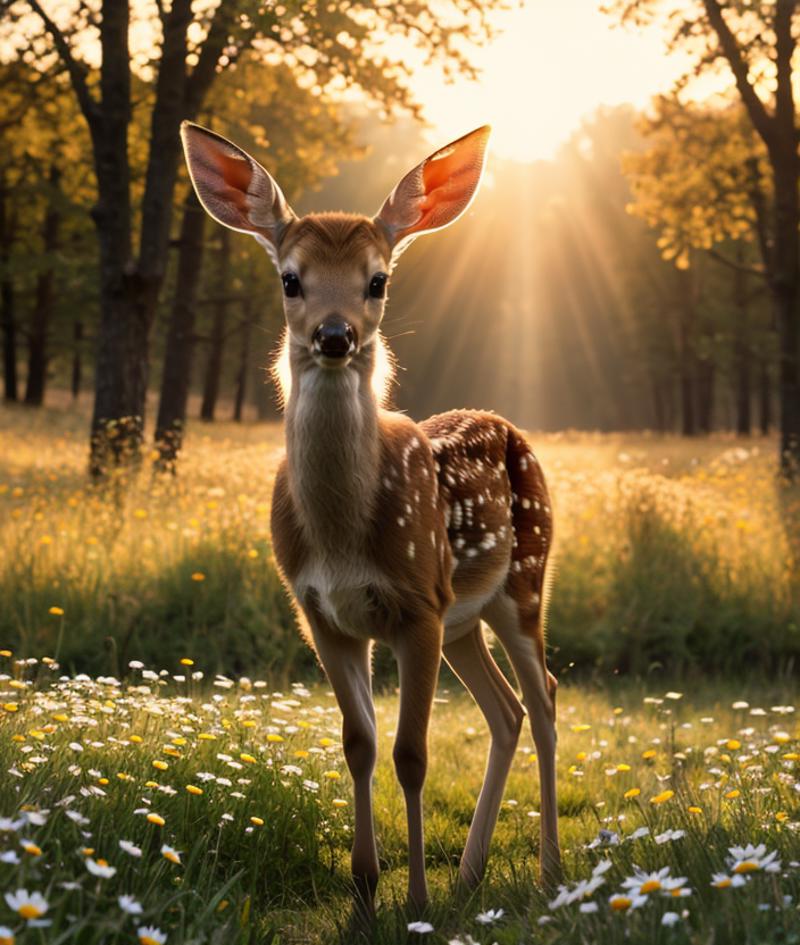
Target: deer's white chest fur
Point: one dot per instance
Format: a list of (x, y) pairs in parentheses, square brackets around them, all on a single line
[(348, 593), (332, 447)]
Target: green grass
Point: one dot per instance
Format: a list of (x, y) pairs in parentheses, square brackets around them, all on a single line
[(670, 554), (89, 747), (673, 558)]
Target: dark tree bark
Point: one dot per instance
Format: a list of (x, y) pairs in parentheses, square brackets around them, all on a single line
[(688, 425), (213, 375), (660, 390), (130, 285), (180, 336), (741, 351), (685, 351), (782, 259), (764, 398), (704, 388), (44, 298), (7, 298), (244, 363), (77, 357)]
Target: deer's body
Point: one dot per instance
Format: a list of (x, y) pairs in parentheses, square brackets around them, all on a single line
[(455, 512), (384, 529)]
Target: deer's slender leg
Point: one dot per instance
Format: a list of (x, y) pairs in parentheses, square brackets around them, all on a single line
[(418, 653), (346, 662), (525, 647), (470, 659)]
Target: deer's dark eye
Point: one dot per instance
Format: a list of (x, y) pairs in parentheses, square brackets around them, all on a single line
[(291, 285), (377, 285)]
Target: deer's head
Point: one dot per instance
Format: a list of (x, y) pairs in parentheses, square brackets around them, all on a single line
[(334, 267)]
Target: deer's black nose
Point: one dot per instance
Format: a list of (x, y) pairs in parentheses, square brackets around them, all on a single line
[(334, 338)]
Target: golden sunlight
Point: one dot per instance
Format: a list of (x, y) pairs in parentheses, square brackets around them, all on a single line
[(552, 64)]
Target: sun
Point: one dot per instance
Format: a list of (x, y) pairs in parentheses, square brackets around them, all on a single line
[(552, 64)]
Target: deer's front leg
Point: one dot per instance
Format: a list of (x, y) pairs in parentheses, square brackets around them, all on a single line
[(418, 652), (346, 662)]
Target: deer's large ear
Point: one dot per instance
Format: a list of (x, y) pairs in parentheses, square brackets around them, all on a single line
[(437, 191), (234, 188)]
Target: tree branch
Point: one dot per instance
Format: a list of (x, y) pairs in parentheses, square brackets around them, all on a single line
[(759, 203), (75, 68), (739, 267), (199, 82), (784, 49), (760, 117)]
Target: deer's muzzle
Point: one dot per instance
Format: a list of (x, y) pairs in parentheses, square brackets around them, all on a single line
[(334, 338)]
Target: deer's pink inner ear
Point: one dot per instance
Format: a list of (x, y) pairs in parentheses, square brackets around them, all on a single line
[(236, 176), (449, 183), (444, 183)]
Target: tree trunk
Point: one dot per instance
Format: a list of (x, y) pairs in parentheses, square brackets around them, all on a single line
[(180, 336), (764, 398), (44, 300), (129, 287), (743, 394), (661, 393), (704, 374), (213, 374), (7, 298), (121, 360), (741, 349), (685, 350), (77, 352), (786, 294), (10, 391), (779, 133), (244, 363)]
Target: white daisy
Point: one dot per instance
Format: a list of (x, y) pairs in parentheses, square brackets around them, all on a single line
[(752, 859), (27, 905), (130, 905), (150, 935), (100, 868)]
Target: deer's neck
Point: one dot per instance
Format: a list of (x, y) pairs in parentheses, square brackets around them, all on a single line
[(332, 450)]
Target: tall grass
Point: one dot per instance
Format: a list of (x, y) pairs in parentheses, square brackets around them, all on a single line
[(224, 809), (670, 554)]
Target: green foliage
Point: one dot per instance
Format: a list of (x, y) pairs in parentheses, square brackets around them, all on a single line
[(702, 180)]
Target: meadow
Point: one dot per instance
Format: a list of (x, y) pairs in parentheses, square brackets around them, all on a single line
[(172, 757), (672, 556), (179, 809)]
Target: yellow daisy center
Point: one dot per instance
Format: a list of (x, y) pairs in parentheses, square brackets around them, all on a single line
[(650, 886), (621, 903), (747, 866), (29, 911)]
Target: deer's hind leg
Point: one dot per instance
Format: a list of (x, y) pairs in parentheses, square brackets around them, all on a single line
[(520, 633), (470, 659)]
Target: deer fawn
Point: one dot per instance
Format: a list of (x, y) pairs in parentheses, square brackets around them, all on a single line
[(385, 529)]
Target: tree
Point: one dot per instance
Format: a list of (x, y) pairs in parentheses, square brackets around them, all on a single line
[(334, 43), (755, 42), (703, 184), (42, 211)]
